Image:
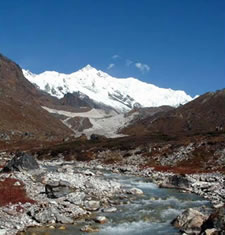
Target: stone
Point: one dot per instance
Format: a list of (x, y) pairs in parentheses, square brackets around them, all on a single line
[(49, 215), (99, 167), (89, 229), (92, 205), (216, 220), (88, 173), (62, 227), (3, 231), (76, 198), (110, 210), (135, 191), (22, 161), (60, 218), (56, 190), (17, 183), (176, 181), (101, 219), (189, 220), (211, 231)]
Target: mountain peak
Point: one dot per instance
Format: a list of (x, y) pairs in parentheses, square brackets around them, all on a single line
[(87, 67), (120, 94)]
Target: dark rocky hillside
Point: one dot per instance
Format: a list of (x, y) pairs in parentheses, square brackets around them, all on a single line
[(206, 114), (21, 115)]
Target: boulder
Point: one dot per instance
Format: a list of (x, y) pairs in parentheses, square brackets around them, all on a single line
[(135, 191), (3, 231), (215, 221), (57, 189), (190, 221), (101, 219), (49, 215), (211, 231), (76, 198), (176, 181), (110, 210), (89, 229), (22, 161), (92, 205)]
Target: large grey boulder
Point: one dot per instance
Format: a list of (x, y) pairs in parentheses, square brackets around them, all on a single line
[(176, 181), (190, 221), (22, 161)]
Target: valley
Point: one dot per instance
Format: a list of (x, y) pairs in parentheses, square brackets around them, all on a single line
[(77, 152)]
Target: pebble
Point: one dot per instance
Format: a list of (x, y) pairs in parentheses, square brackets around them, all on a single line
[(101, 219), (89, 229), (62, 227), (110, 210), (136, 191)]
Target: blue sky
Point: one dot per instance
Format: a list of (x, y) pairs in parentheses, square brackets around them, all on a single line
[(171, 43)]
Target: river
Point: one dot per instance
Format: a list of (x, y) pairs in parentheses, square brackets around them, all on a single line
[(150, 213)]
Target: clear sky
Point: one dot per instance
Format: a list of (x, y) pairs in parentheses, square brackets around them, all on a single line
[(171, 43)]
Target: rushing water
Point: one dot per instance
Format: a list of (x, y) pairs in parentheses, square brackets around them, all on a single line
[(148, 214)]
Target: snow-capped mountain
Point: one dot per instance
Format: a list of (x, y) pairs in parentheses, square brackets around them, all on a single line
[(121, 94)]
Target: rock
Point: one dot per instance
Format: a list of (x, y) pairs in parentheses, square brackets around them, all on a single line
[(99, 167), (189, 220), (62, 227), (22, 161), (60, 218), (17, 183), (54, 190), (101, 219), (51, 227), (97, 137), (92, 205), (216, 206), (3, 231), (211, 231), (135, 191), (110, 210), (89, 229), (216, 220), (176, 181), (49, 215), (88, 173), (76, 198)]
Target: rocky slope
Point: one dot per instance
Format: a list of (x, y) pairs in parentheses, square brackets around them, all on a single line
[(100, 89), (21, 114), (203, 115)]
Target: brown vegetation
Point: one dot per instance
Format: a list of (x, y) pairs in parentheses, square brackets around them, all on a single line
[(11, 193)]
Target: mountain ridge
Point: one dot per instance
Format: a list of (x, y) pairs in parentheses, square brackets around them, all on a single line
[(122, 94), (21, 114)]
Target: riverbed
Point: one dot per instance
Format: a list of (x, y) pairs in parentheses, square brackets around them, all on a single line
[(149, 213)]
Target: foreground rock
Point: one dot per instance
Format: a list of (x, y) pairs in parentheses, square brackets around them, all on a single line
[(215, 222), (62, 195), (22, 161), (176, 181), (57, 189), (190, 221), (89, 229), (101, 219)]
